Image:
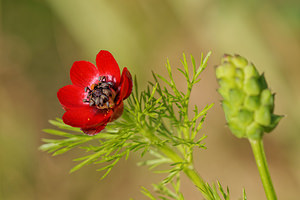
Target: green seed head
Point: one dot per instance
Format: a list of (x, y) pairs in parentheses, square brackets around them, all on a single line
[(247, 102), (252, 86), (239, 61), (226, 70), (250, 71)]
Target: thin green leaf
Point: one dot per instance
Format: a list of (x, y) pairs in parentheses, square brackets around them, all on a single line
[(147, 193), (59, 133), (90, 159)]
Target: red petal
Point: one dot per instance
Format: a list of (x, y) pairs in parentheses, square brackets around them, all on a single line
[(71, 96), (118, 110), (108, 67), (83, 73), (93, 130), (86, 117), (126, 85)]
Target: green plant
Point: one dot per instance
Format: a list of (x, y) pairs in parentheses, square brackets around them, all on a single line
[(156, 121)]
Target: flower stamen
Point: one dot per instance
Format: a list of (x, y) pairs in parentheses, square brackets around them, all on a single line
[(101, 95)]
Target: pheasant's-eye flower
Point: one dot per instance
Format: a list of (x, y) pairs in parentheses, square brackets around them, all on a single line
[(97, 94)]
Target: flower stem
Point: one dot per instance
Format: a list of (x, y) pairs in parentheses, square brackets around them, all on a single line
[(188, 170), (261, 162), (195, 178)]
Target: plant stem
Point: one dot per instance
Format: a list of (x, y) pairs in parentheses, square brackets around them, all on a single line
[(195, 178), (188, 170), (261, 162)]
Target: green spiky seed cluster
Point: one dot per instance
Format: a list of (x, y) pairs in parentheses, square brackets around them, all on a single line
[(247, 101)]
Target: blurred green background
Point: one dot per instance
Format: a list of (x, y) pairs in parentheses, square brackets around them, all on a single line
[(41, 39)]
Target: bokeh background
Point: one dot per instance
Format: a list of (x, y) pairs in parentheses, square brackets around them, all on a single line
[(39, 41)]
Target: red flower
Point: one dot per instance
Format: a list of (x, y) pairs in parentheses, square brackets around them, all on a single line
[(97, 94)]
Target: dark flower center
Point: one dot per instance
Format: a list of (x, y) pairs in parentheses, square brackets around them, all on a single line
[(101, 95)]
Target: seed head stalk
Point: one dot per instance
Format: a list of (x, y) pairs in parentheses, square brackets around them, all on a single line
[(262, 165)]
